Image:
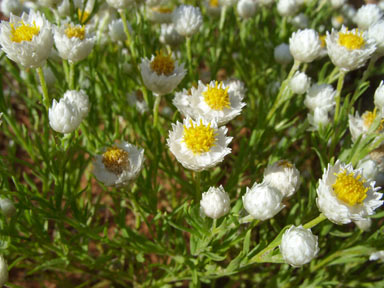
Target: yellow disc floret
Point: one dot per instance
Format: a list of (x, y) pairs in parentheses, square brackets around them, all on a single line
[(216, 97), (24, 32), (322, 40), (350, 188), (285, 164), (350, 40), (75, 32), (163, 64), (115, 160), (83, 16), (369, 117), (200, 138), (214, 3)]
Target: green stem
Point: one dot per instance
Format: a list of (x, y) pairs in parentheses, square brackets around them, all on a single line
[(189, 56), (156, 110), (71, 76), (315, 221), (198, 185), (340, 84), (46, 100)]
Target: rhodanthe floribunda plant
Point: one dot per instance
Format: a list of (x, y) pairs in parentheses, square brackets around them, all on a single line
[(27, 40), (305, 45), (367, 15), (215, 203), (187, 20), (198, 145), (300, 83), (213, 102), (379, 97), (361, 125), (119, 164), (344, 195), (64, 116)]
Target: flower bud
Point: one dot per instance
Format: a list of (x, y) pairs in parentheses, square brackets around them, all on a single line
[(298, 246), (215, 203), (246, 8), (187, 20), (63, 116), (305, 45), (80, 100), (299, 83)]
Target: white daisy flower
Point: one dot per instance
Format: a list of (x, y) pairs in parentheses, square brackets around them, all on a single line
[(344, 195), (283, 176), (160, 14), (320, 96), (364, 225), (287, 7), (299, 246), (119, 164), (78, 99), (27, 40), (187, 20), (367, 15), (73, 42), (9, 7), (120, 4), (319, 117), (215, 203), (300, 83), (305, 45), (64, 117), (376, 32), (162, 73), (360, 125), (169, 35), (262, 201), (379, 97), (282, 54), (246, 8), (198, 145), (349, 50)]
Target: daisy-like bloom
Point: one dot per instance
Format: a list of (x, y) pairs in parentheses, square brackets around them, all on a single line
[(360, 125), (73, 42), (64, 117), (78, 99), (349, 49), (378, 255), (367, 15), (376, 32), (262, 201), (299, 83), (198, 145), (116, 30), (305, 45), (160, 14), (213, 101), (27, 40), (282, 54), (3, 271), (215, 203), (287, 7), (319, 117), (299, 246), (187, 20), (364, 225), (7, 207), (320, 96), (169, 35), (283, 176), (344, 195), (9, 7), (246, 8), (162, 73), (120, 4), (213, 7), (379, 97), (119, 164)]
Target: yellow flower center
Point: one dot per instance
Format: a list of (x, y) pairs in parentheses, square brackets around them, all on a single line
[(350, 40), (322, 39), (115, 160), (24, 32), (163, 64), (285, 164), (350, 189), (199, 138), (216, 97), (77, 32), (214, 3), (369, 117), (82, 15)]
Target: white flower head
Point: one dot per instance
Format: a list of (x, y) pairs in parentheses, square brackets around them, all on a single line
[(337, 3), (213, 101), (300, 83), (198, 145), (317, 118), (9, 7), (73, 42), (187, 20), (262, 201), (169, 35), (344, 195), (160, 15), (282, 54), (7, 207), (378, 255), (300, 21), (3, 271), (215, 203), (246, 8), (120, 4), (360, 125), (116, 30), (27, 40), (78, 99), (379, 97), (349, 49), (364, 225), (283, 176), (370, 168), (298, 246), (119, 164), (64, 117), (376, 32), (305, 45), (320, 96), (367, 15), (287, 7)]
